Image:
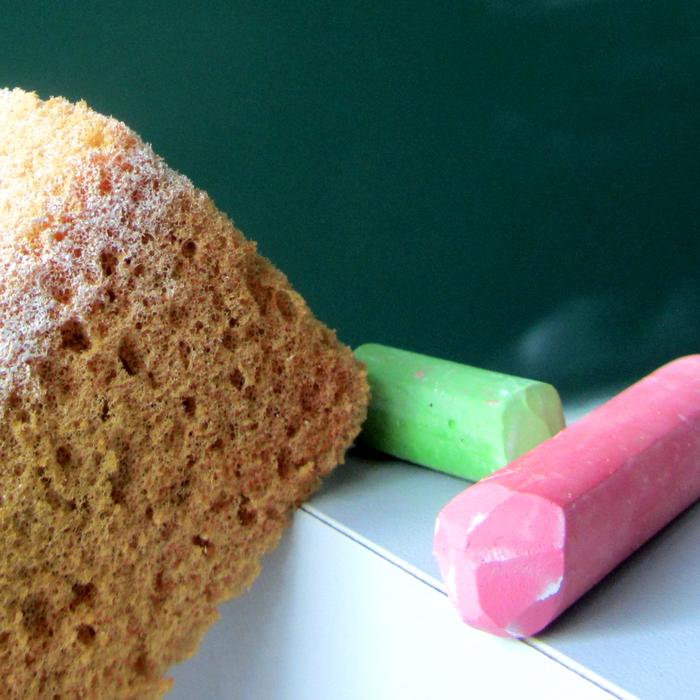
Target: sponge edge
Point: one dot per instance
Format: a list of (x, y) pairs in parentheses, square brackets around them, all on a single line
[(521, 546), (166, 398)]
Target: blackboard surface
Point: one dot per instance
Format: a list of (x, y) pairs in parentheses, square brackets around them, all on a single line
[(510, 184)]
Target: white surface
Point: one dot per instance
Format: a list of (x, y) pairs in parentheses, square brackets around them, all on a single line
[(637, 632), (330, 619)]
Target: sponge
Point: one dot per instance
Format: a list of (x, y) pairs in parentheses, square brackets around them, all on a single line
[(166, 399)]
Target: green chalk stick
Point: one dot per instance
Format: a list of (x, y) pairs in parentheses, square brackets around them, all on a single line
[(462, 420)]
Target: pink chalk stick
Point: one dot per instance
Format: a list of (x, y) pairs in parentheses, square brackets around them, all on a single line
[(519, 547)]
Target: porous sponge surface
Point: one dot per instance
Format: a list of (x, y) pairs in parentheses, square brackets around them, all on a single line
[(166, 398)]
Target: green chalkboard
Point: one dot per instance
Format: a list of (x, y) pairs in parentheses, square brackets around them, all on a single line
[(510, 184)]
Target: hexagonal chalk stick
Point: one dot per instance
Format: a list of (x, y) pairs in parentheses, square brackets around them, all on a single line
[(518, 548)]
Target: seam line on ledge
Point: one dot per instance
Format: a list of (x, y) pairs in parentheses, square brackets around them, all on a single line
[(379, 551), (429, 581)]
